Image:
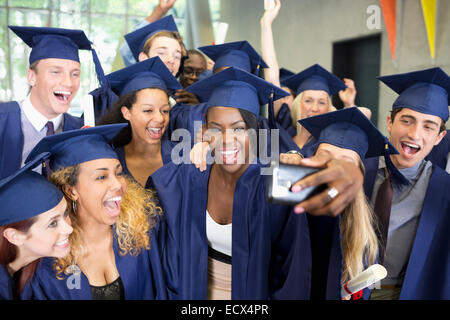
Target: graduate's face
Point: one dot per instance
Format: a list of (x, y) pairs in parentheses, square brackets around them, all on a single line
[(49, 234), (149, 115), (230, 138), (313, 103), (168, 49), (99, 191), (54, 83), (413, 134), (192, 68)]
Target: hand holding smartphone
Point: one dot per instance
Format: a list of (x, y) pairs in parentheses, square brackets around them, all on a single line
[(283, 177)]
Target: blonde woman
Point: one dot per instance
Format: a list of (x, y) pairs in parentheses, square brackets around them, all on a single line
[(112, 256), (311, 87), (351, 128)]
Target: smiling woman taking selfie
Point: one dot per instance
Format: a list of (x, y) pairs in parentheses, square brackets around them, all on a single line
[(226, 241)]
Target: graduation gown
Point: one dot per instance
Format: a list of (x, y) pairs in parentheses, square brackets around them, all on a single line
[(428, 271), (103, 98), (284, 119), (166, 151), (11, 136), (6, 284), (439, 154), (142, 277), (266, 239), (183, 116)]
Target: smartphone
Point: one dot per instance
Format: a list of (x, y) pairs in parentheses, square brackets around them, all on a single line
[(269, 4), (283, 177)]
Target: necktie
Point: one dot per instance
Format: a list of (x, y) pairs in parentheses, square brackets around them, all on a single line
[(50, 131), (383, 204)]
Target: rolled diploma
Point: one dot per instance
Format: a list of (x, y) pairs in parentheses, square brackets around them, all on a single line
[(221, 33), (88, 109), (366, 278)]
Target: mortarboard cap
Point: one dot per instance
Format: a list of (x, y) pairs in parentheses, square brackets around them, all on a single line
[(237, 89), (26, 194), (238, 54), (425, 91), (136, 39), (77, 146), (150, 73), (48, 43), (315, 78), (350, 129), (205, 74), (284, 74), (58, 43)]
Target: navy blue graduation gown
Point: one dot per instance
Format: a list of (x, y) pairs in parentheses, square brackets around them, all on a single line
[(103, 98), (166, 151), (142, 277), (6, 284), (428, 270), (267, 241), (287, 142), (183, 116), (284, 119), (11, 136), (439, 153)]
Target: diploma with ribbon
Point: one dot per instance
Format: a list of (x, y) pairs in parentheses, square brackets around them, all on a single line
[(366, 278)]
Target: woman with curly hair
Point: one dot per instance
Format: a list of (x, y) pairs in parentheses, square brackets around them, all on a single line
[(112, 254)]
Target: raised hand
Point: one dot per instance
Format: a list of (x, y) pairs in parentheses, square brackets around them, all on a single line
[(184, 97), (166, 4), (270, 14), (348, 95)]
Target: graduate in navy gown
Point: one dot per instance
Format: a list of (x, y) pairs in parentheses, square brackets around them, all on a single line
[(33, 224), (349, 129), (144, 90), (220, 217), (161, 38), (313, 87), (114, 254), (415, 240), (54, 78)]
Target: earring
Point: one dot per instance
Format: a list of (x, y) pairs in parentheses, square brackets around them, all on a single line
[(74, 207)]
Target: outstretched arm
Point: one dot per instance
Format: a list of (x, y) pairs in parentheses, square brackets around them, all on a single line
[(268, 49), (348, 97), (161, 10)]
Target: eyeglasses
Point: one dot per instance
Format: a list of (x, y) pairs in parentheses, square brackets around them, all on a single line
[(189, 72)]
